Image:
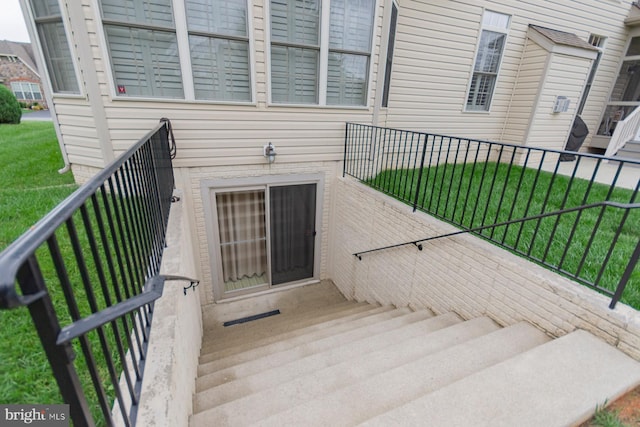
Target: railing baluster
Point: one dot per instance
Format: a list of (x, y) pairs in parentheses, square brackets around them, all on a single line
[(462, 172), (421, 172), (431, 183), (60, 358), (516, 196)]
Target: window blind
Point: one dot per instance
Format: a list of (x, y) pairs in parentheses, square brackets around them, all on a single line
[(145, 62), (487, 63), (219, 48), (351, 28), (295, 52), (55, 47), (151, 12)]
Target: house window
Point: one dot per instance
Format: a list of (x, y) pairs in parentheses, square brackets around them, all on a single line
[(321, 61), (488, 58), (26, 91), (55, 47), (143, 47), (219, 45), (390, 49)]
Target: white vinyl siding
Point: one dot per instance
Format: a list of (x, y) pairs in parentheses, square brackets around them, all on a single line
[(143, 48), (55, 46), (219, 47), (488, 58), (297, 51)]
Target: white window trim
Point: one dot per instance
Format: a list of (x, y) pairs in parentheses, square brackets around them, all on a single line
[(475, 58), (35, 38), (323, 60), (210, 187), (184, 56)]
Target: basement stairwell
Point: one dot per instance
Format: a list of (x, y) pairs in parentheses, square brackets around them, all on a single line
[(328, 361)]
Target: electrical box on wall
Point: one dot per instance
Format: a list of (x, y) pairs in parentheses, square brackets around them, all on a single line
[(561, 105)]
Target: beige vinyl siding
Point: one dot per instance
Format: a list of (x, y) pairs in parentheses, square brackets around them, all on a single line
[(525, 94), (78, 130), (435, 49), (566, 76), (213, 134)]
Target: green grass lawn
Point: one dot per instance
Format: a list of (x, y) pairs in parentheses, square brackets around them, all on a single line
[(31, 187), (489, 193)]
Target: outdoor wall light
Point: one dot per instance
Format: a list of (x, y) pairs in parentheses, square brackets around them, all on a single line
[(270, 152)]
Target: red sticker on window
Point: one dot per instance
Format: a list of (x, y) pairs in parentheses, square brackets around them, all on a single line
[(122, 89)]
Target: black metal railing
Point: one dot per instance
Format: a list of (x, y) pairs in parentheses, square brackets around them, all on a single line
[(89, 273), (525, 199)]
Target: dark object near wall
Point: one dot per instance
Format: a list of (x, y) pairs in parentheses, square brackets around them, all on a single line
[(578, 134)]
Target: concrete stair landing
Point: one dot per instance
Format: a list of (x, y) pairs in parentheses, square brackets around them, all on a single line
[(324, 361)]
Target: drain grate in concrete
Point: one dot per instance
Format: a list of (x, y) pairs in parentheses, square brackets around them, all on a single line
[(251, 318)]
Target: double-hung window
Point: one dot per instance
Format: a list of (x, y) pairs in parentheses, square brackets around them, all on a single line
[(55, 47), (488, 58), (219, 47), (321, 51), (143, 46)]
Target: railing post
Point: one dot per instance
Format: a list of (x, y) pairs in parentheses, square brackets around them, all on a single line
[(60, 356), (344, 160), (417, 193), (626, 276)]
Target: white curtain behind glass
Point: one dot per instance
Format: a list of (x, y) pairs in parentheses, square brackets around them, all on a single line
[(242, 229)]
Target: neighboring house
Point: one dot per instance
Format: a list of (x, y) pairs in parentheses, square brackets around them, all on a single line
[(234, 76), (19, 72)]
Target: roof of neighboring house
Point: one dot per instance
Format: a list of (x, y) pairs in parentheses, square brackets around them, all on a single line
[(562, 37), (23, 51)]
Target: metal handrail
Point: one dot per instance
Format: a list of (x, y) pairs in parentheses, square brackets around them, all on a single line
[(17, 253), (115, 226), (468, 182), (501, 224), (615, 295)]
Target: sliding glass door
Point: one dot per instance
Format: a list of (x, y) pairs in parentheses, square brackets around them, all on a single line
[(266, 236), (293, 222)]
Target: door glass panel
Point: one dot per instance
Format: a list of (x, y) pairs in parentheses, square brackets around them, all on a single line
[(293, 218), (243, 238)]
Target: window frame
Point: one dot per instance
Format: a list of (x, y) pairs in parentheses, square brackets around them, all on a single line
[(30, 85), (33, 23), (494, 29), (181, 30), (323, 60), (390, 52)]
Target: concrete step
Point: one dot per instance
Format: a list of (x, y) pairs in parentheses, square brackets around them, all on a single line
[(220, 338), (281, 342), (258, 406), (556, 384), (331, 341), (247, 339), (301, 298), (210, 396), (389, 389)]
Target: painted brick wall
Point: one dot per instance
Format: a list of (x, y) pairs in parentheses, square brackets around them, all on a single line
[(463, 274)]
